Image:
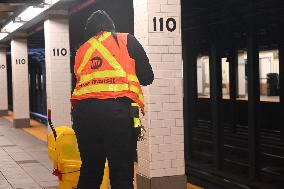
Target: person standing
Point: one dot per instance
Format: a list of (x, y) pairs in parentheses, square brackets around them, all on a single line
[(109, 69)]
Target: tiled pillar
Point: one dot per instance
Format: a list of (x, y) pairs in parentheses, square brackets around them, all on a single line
[(161, 155), (19, 55), (58, 76), (3, 83)]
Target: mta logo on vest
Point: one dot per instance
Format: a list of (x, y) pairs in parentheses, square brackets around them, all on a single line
[(97, 62)]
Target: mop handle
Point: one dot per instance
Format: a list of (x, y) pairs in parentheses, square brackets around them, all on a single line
[(50, 124)]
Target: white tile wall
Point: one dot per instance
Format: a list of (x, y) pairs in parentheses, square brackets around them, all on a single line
[(20, 80), (58, 75), (162, 153), (3, 81)]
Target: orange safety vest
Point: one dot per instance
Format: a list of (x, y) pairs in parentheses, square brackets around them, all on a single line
[(104, 70)]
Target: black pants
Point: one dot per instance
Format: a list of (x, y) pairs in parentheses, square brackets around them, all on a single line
[(104, 129)]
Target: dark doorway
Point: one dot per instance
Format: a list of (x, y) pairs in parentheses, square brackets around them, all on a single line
[(233, 140), (37, 76), (9, 80)]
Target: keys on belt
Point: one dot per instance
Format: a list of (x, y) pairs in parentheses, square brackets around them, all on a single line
[(139, 128)]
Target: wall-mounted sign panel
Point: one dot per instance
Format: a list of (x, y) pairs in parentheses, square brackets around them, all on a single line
[(161, 24)]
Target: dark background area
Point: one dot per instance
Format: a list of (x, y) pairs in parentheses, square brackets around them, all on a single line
[(232, 143)]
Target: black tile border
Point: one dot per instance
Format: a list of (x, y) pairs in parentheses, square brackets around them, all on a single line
[(8, 145), (167, 182), (21, 123), (3, 112), (26, 161)]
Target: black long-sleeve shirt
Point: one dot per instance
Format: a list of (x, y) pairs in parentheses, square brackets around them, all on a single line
[(144, 70)]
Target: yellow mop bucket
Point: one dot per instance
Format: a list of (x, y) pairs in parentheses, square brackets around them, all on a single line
[(66, 159)]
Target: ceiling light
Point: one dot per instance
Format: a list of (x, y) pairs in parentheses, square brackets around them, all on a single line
[(12, 26), (30, 13), (50, 2), (27, 15), (3, 35)]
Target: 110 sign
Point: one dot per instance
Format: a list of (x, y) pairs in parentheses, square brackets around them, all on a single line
[(20, 61), (59, 52), (170, 23)]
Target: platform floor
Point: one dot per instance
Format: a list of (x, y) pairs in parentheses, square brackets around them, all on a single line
[(24, 163), (23, 160)]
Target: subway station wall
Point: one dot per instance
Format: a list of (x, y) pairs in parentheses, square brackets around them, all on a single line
[(37, 83), (121, 12)]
